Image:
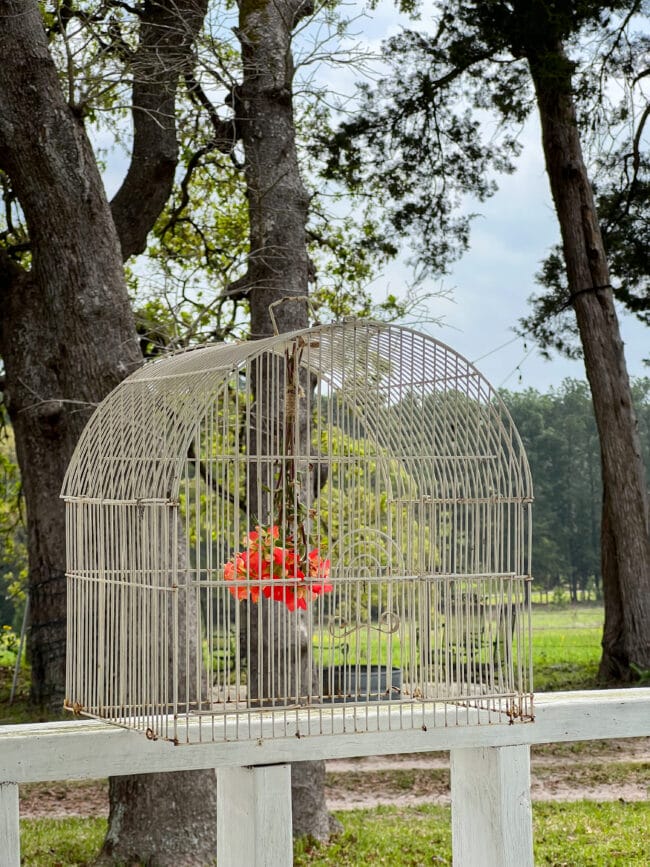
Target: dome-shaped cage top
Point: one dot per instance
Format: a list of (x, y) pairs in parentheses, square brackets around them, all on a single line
[(318, 519), (411, 394)]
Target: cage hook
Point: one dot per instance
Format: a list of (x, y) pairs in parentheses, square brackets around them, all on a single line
[(305, 298)]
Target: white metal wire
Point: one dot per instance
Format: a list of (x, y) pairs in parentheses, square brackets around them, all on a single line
[(322, 531)]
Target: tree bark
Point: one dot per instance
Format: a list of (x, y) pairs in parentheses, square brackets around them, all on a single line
[(159, 819), (162, 820), (67, 338), (625, 539), (278, 265)]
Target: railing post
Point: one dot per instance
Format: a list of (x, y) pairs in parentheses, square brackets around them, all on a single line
[(9, 828), (254, 817), (491, 815)]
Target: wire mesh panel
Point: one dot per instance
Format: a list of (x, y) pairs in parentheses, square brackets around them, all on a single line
[(318, 532)]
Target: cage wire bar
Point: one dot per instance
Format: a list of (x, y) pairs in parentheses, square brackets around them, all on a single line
[(322, 531)]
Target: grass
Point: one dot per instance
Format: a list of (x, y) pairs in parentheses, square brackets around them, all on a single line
[(582, 834), (566, 646), (21, 710), (589, 834), (566, 652), (60, 842)]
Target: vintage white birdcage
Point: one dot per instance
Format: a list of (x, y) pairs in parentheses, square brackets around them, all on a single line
[(315, 532)]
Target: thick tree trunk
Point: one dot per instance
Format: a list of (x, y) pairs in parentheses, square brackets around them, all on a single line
[(614, 663), (625, 539), (67, 337), (166, 820), (158, 819), (278, 264), (180, 807)]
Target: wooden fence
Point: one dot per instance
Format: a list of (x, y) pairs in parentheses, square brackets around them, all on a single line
[(490, 772)]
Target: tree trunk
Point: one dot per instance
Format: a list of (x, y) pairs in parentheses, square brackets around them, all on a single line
[(625, 540), (278, 265), (614, 663), (179, 807), (67, 337), (167, 33), (169, 819)]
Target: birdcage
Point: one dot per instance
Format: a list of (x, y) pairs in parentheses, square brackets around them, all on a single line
[(316, 532)]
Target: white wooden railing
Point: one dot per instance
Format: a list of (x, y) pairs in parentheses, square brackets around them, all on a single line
[(490, 773)]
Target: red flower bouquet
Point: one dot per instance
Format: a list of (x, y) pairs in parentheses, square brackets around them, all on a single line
[(264, 560)]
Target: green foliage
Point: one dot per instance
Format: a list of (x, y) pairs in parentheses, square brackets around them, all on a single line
[(560, 438), (642, 675), (189, 286), (614, 120), (430, 135), (622, 209), (419, 150), (13, 537), (559, 434), (9, 643), (198, 248)]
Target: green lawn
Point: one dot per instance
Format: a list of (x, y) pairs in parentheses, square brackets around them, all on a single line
[(566, 646), (582, 834)]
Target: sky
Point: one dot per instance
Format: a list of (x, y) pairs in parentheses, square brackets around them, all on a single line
[(490, 285)]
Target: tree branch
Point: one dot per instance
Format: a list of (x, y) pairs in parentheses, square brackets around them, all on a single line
[(225, 131), (636, 145), (167, 33)]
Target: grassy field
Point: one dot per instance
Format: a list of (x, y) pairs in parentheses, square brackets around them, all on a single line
[(566, 651), (566, 646), (582, 834)]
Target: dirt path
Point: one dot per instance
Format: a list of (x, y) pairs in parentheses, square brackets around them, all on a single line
[(599, 771)]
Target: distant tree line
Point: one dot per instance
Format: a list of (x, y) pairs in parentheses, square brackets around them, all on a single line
[(559, 433)]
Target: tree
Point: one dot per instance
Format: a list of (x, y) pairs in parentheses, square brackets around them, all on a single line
[(279, 267), (507, 57), (621, 184), (13, 549), (67, 335)]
